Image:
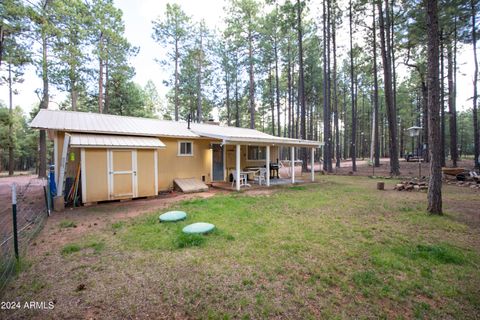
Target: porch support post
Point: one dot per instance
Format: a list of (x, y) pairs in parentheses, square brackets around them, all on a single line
[(237, 168), (267, 165), (292, 162), (312, 164)]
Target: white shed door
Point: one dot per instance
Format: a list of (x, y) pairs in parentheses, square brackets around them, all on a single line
[(122, 174)]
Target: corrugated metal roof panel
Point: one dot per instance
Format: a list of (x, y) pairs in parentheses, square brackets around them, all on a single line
[(84, 122), (115, 141), (243, 135), (106, 123)]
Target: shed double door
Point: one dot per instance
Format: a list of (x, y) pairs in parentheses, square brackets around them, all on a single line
[(122, 174), (132, 173)]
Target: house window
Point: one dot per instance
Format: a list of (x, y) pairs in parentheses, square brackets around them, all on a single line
[(256, 153), (185, 148)]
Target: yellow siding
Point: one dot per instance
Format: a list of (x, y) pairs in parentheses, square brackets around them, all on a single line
[(172, 166), (230, 158), (145, 170), (96, 175)]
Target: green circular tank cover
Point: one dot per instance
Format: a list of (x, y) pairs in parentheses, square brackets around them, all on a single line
[(199, 227), (172, 216)]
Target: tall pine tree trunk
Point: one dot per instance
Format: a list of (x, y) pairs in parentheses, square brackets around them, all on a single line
[(301, 85), (277, 87), (42, 166), (237, 107), (376, 145), (392, 52), (227, 98), (326, 114), (272, 99), (384, 23), (329, 95), (345, 131), (335, 98), (451, 107), (435, 182), (353, 148), (476, 132), (252, 81), (442, 98), (199, 79), (100, 75), (426, 144), (176, 80), (107, 87), (11, 155), (289, 90)]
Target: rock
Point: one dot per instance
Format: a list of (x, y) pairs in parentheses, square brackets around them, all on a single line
[(80, 287)]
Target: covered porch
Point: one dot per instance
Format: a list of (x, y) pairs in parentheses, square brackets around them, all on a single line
[(242, 174), (253, 165), (239, 154)]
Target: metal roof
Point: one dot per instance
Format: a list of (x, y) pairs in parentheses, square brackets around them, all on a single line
[(87, 122), (83, 122), (243, 135), (117, 141)]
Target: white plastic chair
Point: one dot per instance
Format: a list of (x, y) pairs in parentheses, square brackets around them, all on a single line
[(261, 176), (243, 178)]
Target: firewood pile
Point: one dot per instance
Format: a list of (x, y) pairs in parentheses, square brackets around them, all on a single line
[(412, 185)]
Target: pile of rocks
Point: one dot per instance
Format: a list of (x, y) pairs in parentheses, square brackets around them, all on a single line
[(412, 185), (468, 184)]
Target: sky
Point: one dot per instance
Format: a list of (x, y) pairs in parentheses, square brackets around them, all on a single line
[(138, 16)]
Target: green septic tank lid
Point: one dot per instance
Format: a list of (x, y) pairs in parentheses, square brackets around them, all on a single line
[(172, 216), (199, 227)]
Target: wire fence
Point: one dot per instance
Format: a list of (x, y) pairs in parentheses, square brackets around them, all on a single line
[(31, 213)]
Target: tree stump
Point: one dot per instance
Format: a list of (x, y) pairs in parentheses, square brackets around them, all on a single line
[(380, 185)]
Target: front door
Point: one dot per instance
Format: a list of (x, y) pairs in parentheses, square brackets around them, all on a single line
[(217, 158), (122, 174)]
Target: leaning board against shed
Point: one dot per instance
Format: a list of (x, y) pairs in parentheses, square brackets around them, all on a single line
[(172, 216), (199, 227)]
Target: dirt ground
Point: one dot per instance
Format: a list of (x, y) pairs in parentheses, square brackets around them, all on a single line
[(407, 169)]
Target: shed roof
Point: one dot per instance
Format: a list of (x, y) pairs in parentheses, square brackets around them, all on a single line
[(96, 123), (117, 141)]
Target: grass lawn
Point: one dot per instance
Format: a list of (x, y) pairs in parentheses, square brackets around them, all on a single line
[(335, 249)]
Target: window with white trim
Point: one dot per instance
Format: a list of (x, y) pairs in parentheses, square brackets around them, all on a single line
[(256, 153), (185, 148)]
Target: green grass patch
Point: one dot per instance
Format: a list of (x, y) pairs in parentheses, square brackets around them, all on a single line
[(70, 248), (365, 278), (118, 225), (97, 246), (67, 224), (185, 240), (436, 254), (297, 188)]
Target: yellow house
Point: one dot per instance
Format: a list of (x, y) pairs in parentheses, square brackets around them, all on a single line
[(118, 157)]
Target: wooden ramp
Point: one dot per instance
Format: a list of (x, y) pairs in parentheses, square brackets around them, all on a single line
[(190, 185)]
